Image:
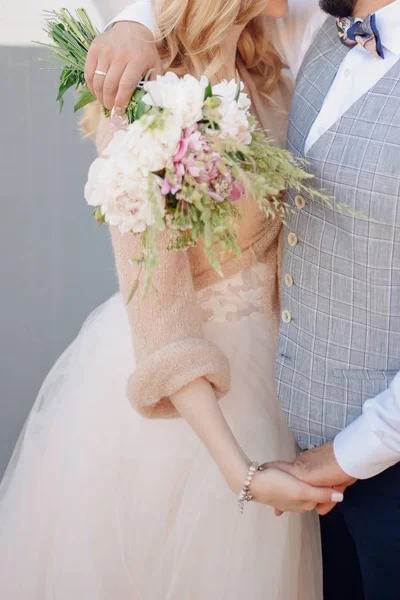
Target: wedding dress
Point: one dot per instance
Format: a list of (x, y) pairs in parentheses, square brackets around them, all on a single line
[(99, 503)]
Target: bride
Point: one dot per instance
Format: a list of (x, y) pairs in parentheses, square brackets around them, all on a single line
[(104, 502)]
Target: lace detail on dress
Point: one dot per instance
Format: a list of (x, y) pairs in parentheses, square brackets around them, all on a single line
[(239, 297)]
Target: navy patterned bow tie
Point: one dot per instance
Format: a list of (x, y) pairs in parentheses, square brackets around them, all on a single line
[(353, 31)]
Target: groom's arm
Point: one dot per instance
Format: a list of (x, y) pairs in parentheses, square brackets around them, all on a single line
[(292, 35), (371, 444), (119, 57), (138, 12), (367, 447), (128, 42)]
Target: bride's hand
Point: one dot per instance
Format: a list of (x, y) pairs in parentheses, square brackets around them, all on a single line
[(286, 493)]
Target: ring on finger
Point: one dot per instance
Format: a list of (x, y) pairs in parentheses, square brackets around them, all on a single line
[(101, 73)]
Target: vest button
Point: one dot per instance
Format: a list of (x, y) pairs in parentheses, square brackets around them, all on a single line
[(286, 316), (289, 280), (300, 202), (293, 240)]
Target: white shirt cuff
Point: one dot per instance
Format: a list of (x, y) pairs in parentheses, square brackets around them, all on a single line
[(361, 453), (139, 12)]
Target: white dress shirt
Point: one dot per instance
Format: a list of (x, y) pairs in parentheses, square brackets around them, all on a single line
[(139, 11), (371, 443)]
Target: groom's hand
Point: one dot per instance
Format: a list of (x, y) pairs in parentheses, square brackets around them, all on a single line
[(318, 467), (123, 55)]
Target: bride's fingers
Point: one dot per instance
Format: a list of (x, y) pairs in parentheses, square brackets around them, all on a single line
[(324, 495), (324, 509), (279, 513)]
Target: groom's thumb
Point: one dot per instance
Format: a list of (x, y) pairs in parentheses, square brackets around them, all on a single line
[(282, 465)]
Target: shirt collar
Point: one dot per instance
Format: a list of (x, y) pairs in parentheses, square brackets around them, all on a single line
[(388, 24)]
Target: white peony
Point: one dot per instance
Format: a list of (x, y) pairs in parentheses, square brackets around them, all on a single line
[(123, 194), (233, 122), (146, 148), (184, 96), (101, 178), (116, 144), (154, 148), (227, 90), (133, 210)]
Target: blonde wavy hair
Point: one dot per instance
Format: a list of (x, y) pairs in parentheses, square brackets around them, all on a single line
[(191, 40), (193, 32)]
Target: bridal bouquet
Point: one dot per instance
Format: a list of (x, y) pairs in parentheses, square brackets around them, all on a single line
[(188, 153)]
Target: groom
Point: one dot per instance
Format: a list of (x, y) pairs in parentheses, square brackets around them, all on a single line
[(338, 358), (339, 347)]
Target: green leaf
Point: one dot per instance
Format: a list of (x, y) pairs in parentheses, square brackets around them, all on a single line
[(238, 88), (61, 91), (208, 92), (64, 87), (141, 110), (133, 291), (67, 81), (85, 97)]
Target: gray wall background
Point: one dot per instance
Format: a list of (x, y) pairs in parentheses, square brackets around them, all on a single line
[(55, 263)]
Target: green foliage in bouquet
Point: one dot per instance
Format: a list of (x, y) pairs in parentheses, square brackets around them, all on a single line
[(71, 37)]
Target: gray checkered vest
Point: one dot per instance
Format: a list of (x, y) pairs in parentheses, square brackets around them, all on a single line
[(340, 333)]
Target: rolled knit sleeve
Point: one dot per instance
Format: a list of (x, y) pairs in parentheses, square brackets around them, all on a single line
[(170, 348)]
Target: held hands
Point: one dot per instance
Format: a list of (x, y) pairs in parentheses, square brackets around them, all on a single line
[(197, 404), (285, 492), (317, 467), (120, 56)]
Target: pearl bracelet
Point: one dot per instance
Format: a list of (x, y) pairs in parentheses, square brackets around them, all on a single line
[(245, 495)]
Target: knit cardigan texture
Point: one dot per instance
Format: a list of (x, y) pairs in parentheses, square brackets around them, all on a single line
[(170, 347)]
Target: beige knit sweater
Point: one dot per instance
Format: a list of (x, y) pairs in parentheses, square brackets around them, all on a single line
[(170, 348)]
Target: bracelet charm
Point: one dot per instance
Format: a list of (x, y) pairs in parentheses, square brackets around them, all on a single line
[(245, 495)]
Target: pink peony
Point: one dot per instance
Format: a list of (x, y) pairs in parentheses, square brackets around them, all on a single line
[(237, 191), (194, 157)]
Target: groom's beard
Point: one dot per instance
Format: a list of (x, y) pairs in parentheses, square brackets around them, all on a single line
[(338, 8)]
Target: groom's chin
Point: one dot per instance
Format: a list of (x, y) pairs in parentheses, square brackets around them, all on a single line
[(338, 8)]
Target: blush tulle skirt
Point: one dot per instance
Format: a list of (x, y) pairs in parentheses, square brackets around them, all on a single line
[(99, 503)]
